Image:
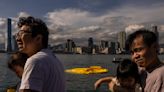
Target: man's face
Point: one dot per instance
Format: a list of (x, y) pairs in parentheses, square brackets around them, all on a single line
[(141, 54), (24, 39)]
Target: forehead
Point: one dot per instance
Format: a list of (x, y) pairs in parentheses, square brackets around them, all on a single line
[(25, 28), (138, 41), (127, 78)]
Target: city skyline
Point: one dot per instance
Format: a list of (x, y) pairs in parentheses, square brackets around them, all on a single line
[(81, 19), (115, 38), (103, 47)]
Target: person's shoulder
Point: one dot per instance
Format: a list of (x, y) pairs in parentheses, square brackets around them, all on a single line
[(45, 51), (161, 68), (159, 71), (42, 54), (39, 56)]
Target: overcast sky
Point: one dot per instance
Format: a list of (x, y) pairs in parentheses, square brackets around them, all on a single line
[(81, 19)]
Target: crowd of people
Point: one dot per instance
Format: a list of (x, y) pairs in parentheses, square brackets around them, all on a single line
[(41, 71)]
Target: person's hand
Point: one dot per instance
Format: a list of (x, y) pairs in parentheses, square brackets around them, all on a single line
[(97, 83), (102, 80)]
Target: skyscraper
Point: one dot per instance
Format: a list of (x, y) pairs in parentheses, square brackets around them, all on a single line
[(155, 30), (9, 27), (70, 45), (122, 39), (104, 44), (90, 42), (90, 45)]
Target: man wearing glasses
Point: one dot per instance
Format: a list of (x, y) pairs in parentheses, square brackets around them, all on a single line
[(43, 72)]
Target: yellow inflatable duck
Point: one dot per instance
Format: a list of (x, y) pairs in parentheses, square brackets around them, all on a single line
[(88, 70), (11, 90)]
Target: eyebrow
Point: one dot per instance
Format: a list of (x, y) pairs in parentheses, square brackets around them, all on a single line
[(137, 49), (25, 31)]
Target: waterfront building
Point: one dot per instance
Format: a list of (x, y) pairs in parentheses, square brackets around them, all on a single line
[(14, 46), (104, 47), (90, 45), (112, 49), (78, 50), (90, 42), (161, 48), (104, 50), (60, 48), (93, 51), (121, 40), (9, 35), (104, 44), (70, 46), (155, 30)]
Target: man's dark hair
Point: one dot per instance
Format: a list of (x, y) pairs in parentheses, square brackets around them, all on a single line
[(37, 26), (127, 68), (149, 38)]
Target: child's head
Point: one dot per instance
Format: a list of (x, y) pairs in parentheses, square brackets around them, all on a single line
[(17, 62), (127, 73)]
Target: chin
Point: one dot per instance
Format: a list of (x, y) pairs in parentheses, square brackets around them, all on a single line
[(141, 65), (20, 49)]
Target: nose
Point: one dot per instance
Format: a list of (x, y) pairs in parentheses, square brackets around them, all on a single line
[(17, 36), (135, 55)]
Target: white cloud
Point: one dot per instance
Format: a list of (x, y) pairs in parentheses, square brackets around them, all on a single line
[(3, 28), (89, 28), (141, 14), (23, 14), (132, 28), (75, 23), (72, 17), (3, 23)]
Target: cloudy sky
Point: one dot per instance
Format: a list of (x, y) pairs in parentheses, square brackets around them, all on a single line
[(81, 19)]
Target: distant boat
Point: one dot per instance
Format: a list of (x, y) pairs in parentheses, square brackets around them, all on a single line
[(117, 60)]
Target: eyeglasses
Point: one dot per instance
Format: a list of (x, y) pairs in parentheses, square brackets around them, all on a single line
[(21, 32)]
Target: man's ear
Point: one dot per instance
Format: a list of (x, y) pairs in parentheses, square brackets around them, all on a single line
[(39, 38), (156, 46)]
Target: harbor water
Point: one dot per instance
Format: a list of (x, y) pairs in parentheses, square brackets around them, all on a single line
[(74, 82)]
